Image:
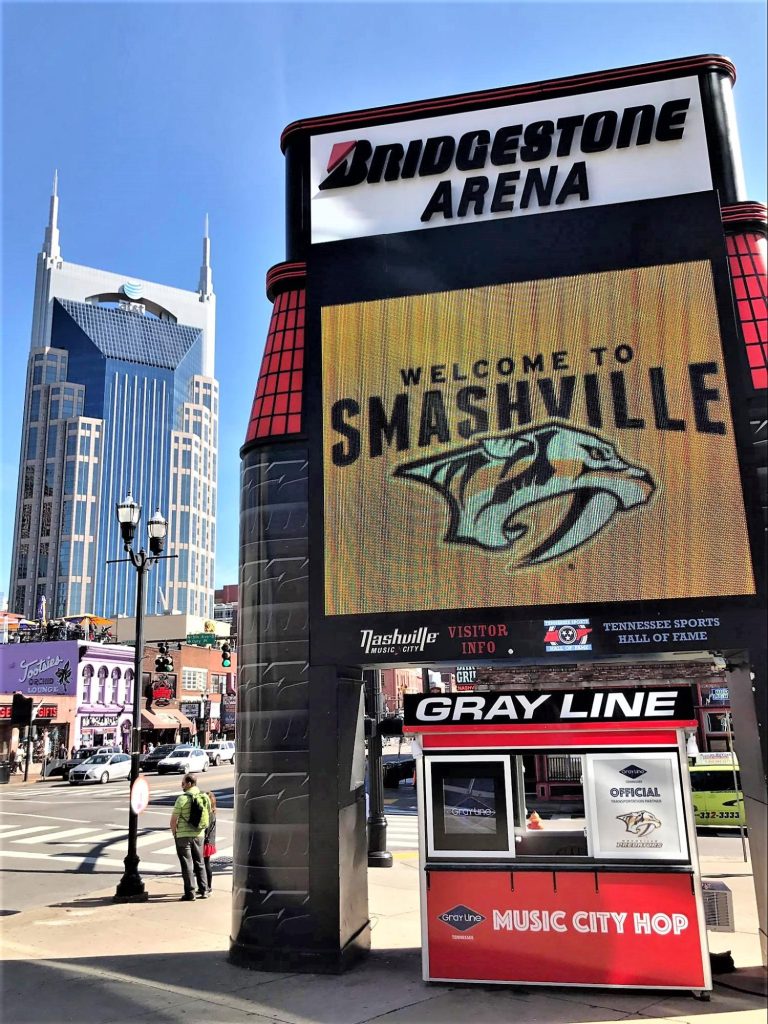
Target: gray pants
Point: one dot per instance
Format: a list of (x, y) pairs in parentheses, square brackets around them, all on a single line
[(189, 850)]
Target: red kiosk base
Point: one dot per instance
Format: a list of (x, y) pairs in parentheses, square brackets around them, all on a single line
[(604, 892)]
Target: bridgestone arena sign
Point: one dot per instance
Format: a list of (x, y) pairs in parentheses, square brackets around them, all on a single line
[(524, 423), (638, 142)]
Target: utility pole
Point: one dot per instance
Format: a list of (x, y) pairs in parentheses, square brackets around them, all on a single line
[(378, 854)]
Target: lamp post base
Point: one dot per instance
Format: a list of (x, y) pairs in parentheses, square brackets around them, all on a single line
[(130, 888), (380, 859), (130, 892)]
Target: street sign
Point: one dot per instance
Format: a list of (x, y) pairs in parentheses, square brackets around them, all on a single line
[(139, 795), (202, 639)]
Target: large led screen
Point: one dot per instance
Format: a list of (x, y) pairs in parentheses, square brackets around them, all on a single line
[(554, 441)]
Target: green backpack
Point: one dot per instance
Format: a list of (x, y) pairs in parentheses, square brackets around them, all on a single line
[(198, 811)]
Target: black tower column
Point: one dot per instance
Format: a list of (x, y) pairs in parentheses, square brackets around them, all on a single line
[(300, 899)]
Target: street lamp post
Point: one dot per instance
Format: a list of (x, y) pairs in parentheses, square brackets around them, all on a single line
[(130, 888)]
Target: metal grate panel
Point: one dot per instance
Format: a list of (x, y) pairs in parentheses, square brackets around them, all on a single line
[(718, 907)]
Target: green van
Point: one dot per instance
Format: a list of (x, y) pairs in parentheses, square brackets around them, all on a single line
[(716, 800)]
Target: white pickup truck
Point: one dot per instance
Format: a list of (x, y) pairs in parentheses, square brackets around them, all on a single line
[(219, 751)]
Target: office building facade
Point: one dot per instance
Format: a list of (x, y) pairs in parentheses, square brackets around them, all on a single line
[(120, 397)]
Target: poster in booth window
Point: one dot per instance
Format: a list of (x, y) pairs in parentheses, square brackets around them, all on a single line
[(634, 806), (555, 441)]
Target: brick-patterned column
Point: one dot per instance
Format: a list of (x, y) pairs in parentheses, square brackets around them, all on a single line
[(300, 885)]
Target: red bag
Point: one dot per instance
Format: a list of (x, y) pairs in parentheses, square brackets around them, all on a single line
[(208, 850)]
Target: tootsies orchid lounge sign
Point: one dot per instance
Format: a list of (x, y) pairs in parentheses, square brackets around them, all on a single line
[(523, 421)]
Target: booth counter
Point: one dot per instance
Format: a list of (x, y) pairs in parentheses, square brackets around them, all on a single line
[(601, 890)]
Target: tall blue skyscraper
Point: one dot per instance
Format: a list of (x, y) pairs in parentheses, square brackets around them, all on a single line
[(120, 397)]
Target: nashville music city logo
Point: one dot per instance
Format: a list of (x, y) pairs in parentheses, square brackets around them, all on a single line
[(396, 642)]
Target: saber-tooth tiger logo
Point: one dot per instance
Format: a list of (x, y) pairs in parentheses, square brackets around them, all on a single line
[(639, 823), (544, 491)]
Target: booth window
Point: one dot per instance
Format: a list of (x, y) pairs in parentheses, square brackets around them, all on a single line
[(555, 821), (469, 808)]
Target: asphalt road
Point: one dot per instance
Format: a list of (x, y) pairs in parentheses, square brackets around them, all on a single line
[(59, 841)]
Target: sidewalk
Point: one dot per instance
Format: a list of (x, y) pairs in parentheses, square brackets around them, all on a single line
[(164, 962)]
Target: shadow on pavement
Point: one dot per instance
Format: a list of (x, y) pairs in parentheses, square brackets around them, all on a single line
[(203, 988)]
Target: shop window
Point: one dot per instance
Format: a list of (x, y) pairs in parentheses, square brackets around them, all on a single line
[(718, 722), (103, 674), (128, 678)]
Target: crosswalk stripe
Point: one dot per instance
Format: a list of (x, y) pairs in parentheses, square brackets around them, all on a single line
[(64, 858), (54, 837), (24, 831), (99, 837)]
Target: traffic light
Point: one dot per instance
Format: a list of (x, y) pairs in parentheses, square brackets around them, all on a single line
[(392, 725), (226, 655), (163, 661), (21, 710)]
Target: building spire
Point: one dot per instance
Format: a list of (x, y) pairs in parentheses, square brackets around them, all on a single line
[(51, 246), (205, 285)]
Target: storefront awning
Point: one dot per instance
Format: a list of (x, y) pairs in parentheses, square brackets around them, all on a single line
[(166, 719)]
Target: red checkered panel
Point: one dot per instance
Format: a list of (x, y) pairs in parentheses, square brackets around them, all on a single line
[(277, 404), (747, 258)]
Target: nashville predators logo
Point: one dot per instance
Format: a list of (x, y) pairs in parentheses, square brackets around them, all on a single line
[(639, 823), (542, 492)]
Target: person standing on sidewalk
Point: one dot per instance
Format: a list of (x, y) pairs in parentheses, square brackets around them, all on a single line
[(188, 830), (209, 841)]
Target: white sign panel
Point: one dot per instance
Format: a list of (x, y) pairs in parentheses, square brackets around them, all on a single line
[(612, 146), (634, 806)]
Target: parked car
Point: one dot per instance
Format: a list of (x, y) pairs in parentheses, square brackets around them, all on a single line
[(101, 768), (82, 755), (149, 762), (393, 772), (219, 751), (184, 759)]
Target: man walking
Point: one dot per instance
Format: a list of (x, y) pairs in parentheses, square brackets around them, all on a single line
[(189, 820)]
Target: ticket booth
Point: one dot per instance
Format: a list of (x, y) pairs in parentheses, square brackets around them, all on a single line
[(602, 889)]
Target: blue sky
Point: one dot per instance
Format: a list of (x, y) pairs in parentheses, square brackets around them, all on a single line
[(157, 113)]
